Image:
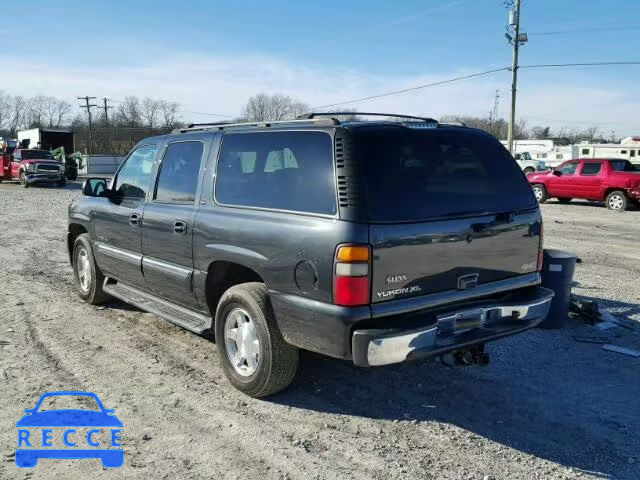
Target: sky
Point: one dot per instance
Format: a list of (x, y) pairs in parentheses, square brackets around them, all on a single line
[(211, 56)]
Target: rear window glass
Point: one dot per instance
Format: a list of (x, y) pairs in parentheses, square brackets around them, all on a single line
[(277, 170), (623, 166), (415, 175)]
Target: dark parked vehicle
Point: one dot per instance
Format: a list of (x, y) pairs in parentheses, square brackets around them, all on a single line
[(370, 241), (616, 182)]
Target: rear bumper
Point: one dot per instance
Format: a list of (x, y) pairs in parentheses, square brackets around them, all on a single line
[(453, 330)]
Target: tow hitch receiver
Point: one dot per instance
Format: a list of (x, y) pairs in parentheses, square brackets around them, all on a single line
[(473, 355)]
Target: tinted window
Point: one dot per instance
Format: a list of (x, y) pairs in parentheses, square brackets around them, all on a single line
[(622, 166), (585, 151), (632, 153), (278, 170), (591, 168), (569, 168), (132, 180), (178, 178), (413, 175)]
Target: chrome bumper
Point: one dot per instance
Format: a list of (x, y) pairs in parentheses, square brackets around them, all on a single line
[(451, 331)]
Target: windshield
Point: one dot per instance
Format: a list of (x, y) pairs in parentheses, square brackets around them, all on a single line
[(416, 175), (623, 166), (36, 154)]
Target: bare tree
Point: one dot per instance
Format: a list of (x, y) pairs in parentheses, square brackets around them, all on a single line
[(150, 110), (5, 107), (263, 107), (57, 112), (129, 112), (168, 113), (17, 108)]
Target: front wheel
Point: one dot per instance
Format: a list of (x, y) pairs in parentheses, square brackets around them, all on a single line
[(528, 170), (88, 277), (254, 355), (616, 200), (540, 192), (62, 182), (23, 180)]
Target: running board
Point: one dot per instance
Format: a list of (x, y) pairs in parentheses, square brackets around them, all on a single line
[(184, 317)]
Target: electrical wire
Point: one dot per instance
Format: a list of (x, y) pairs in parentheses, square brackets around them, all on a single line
[(419, 87), (586, 30), (585, 64)]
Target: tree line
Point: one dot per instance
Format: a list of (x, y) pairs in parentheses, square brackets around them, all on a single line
[(151, 116)]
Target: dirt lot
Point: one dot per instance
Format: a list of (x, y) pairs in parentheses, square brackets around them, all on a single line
[(547, 406)]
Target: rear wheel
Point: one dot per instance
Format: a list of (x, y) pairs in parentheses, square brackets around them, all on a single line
[(616, 200), (254, 356), (88, 277), (528, 170), (564, 200), (23, 180), (540, 192)]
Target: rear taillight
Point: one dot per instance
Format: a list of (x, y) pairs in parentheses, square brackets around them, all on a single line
[(541, 248), (351, 275)]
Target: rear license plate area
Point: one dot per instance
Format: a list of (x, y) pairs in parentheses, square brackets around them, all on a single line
[(460, 322)]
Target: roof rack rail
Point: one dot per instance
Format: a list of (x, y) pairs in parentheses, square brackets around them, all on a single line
[(224, 125), (312, 115)]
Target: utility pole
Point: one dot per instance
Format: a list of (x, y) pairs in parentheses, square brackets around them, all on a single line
[(516, 40), (88, 106), (106, 108), (493, 113)]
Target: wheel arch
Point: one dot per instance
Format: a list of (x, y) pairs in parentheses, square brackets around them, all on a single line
[(73, 232), (221, 276)]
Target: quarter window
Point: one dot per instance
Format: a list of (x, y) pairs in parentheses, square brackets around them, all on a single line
[(179, 172), (592, 168), (632, 153), (277, 170), (132, 180)]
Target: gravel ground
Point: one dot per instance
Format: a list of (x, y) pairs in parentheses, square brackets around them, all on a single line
[(547, 406)]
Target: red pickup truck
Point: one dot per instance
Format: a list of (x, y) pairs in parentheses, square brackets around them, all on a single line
[(616, 182)]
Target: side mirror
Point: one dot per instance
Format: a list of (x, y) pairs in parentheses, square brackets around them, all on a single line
[(557, 173), (95, 187)]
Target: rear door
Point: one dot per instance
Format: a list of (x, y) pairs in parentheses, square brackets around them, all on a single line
[(588, 181), (448, 209), (167, 229)]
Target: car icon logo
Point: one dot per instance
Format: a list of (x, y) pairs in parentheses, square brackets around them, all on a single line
[(83, 433)]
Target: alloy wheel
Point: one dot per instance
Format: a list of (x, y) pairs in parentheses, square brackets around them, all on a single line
[(83, 268), (241, 342)]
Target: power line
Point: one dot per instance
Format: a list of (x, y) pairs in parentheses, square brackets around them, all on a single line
[(419, 87), (587, 30), (585, 64)]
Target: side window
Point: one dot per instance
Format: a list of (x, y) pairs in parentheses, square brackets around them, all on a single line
[(569, 168), (132, 180), (585, 151), (179, 171), (277, 170), (632, 153), (591, 168), (17, 156)]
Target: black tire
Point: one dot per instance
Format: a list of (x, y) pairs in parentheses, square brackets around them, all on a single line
[(92, 293), (277, 360), (62, 182), (564, 200), (617, 201), (528, 170), (540, 192), (23, 180)]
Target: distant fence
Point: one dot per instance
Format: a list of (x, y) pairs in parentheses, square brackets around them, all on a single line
[(100, 164), (112, 141)]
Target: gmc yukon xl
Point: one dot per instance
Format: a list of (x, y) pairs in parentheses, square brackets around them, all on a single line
[(376, 242)]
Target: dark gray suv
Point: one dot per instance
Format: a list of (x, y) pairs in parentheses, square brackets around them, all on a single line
[(371, 241)]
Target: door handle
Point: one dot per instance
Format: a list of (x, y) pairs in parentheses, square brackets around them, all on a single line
[(134, 219), (180, 227)]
